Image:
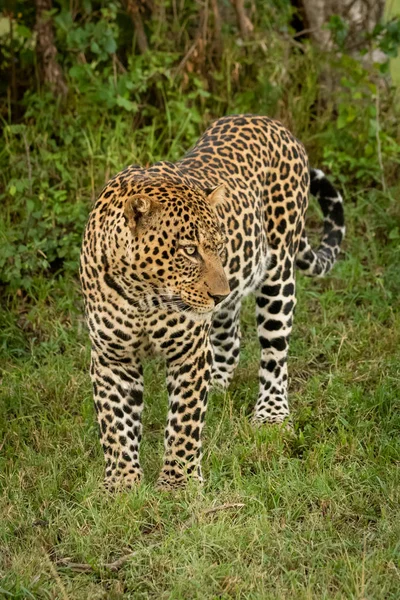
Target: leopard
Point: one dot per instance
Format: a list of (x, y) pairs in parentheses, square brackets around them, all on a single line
[(169, 253)]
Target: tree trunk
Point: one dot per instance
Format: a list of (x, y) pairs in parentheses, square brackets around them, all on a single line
[(51, 72), (133, 10), (246, 27), (361, 15)]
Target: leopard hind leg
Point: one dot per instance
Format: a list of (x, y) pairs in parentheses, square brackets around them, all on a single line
[(275, 303)]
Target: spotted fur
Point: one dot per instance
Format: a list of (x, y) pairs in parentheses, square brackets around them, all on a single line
[(169, 252)]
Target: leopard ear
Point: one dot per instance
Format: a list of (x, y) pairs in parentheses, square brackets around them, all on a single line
[(216, 196), (137, 207)]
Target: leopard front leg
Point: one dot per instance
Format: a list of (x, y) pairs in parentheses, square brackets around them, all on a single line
[(118, 398), (275, 302), (188, 382), (225, 339)]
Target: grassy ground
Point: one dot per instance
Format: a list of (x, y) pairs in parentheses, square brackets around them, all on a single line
[(321, 511)]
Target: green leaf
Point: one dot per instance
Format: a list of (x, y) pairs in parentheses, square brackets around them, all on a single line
[(30, 206), (127, 104), (341, 121), (95, 48), (109, 45)]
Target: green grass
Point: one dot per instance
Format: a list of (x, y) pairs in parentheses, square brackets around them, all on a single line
[(321, 514), (317, 511)]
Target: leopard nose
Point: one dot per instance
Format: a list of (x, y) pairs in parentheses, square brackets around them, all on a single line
[(218, 297)]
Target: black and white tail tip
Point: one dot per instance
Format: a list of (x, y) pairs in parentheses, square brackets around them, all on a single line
[(319, 262)]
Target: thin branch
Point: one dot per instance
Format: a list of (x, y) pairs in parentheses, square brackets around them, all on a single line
[(111, 566), (210, 511), (204, 21), (199, 40), (305, 31), (132, 8), (4, 439), (77, 567), (246, 27), (13, 61), (28, 161), (227, 506), (119, 562), (217, 25), (119, 64), (29, 166), (378, 140), (186, 57)]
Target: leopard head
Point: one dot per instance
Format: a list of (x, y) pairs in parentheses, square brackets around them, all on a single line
[(178, 245)]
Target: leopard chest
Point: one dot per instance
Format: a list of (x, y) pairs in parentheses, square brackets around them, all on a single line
[(124, 333)]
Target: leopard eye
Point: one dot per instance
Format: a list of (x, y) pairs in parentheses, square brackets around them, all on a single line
[(220, 248), (190, 250)]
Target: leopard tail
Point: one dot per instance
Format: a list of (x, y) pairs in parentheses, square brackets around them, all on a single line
[(319, 262)]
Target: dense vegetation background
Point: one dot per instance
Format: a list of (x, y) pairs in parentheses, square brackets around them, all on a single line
[(88, 87)]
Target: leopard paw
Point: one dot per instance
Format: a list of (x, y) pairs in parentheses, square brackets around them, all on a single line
[(118, 482)]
